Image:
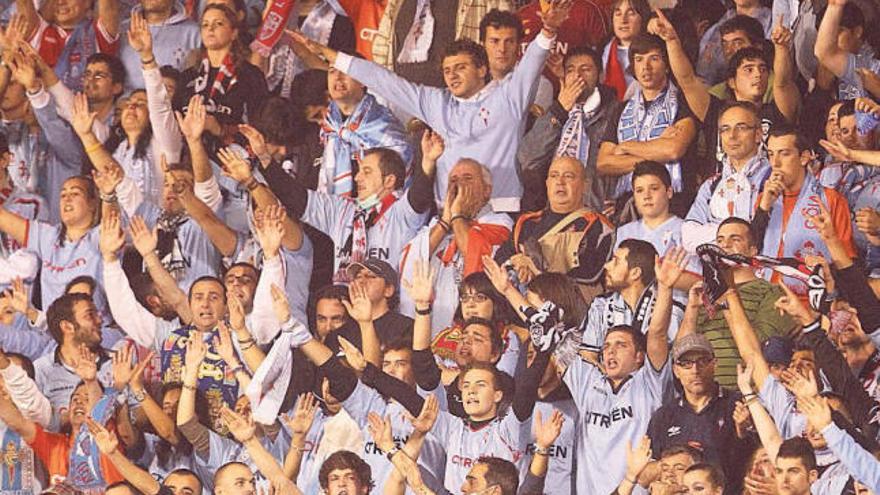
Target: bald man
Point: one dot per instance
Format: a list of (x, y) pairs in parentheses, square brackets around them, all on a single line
[(234, 478), (566, 236)]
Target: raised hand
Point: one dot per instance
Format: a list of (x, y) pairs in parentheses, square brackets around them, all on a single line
[(196, 350), (424, 422), (137, 376), (837, 149), (269, 229), (525, 267), (82, 118), (353, 355), (546, 432), (193, 125), (781, 35), (224, 347), (323, 52), (380, 430), (554, 16), (572, 87), (432, 145), (638, 458), (792, 305), (280, 304), (816, 410), (695, 294), (300, 422), (108, 178), (112, 238), (867, 105), (14, 34), (140, 38), (823, 223), (105, 439), (421, 289), (24, 71), (122, 368), (773, 188), (801, 386), (497, 275), (668, 272), (234, 165), (144, 239), (661, 27), (360, 308), (744, 377), (742, 418), (257, 143), (19, 297), (236, 313), (243, 429), (86, 366), (868, 221)]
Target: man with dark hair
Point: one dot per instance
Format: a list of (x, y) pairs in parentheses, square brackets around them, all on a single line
[(330, 313), (738, 32), (500, 35), (748, 22), (632, 293), (796, 467), (489, 472), (571, 127), (748, 77), (345, 472), (655, 124), (791, 197), (474, 118), (841, 47)]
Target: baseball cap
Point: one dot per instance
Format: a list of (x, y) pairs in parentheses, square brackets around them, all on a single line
[(693, 342), (377, 267), (777, 350)]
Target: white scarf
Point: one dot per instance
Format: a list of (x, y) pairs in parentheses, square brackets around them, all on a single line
[(575, 141)]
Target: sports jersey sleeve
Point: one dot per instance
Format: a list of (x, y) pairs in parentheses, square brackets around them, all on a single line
[(221, 450), (653, 381), (21, 338), (26, 395), (361, 403), (135, 320), (40, 238), (860, 463), (264, 324), (523, 83), (58, 133), (167, 138), (324, 211)]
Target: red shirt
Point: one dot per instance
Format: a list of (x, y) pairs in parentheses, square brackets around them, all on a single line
[(587, 25), (365, 16), (49, 41)]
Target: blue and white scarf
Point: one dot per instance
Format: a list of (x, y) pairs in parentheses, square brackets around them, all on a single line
[(85, 458), (575, 140), (641, 121), (30, 152), (848, 178), (801, 237), (79, 46), (371, 125)]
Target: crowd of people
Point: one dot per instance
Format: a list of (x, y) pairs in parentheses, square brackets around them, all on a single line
[(500, 247)]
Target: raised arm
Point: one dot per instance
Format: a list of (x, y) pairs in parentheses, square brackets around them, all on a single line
[(108, 16), (360, 309), (785, 92), (108, 445), (769, 434), (186, 406), (667, 274), (28, 10), (421, 193), (299, 423), (826, 49), (221, 235), (145, 241), (695, 92), (637, 459), (744, 335)]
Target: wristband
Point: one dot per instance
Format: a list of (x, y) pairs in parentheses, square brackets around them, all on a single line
[(138, 396), (541, 451), (237, 368), (190, 387), (424, 312), (35, 93), (148, 62), (93, 148), (458, 217), (251, 183), (391, 452), (631, 481), (108, 198), (443, 225)]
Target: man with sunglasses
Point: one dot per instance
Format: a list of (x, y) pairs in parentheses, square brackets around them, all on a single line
[(702, 416)]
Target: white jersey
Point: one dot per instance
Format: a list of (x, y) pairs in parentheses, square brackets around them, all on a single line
[(562, 455), (505, 437), (663, 237), (610, 418), (334, 215), (610, 310)]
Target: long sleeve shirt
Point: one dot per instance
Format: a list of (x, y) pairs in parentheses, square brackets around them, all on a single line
[(145, 328), (486, 127), (860, 463), (26, 395)]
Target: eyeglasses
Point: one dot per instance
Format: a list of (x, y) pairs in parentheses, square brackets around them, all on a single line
[(475, 297), (738, 128), (689, 364)]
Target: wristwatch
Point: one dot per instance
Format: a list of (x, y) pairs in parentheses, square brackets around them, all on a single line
[(139, 396)]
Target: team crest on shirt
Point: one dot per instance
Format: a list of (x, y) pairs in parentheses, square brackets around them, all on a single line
[(673, 431), (484, 115)]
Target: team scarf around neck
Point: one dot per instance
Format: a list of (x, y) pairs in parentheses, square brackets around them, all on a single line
[(222, 83), (284, 64), (346, 138), (735, 192), (79, 46), (800, 237), (713, 259), (643, 121), (418, 40), (85, 458), (614, 76), (575, 141), (364, 218)]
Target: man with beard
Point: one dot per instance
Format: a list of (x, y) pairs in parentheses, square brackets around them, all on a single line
[(572, 126)]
